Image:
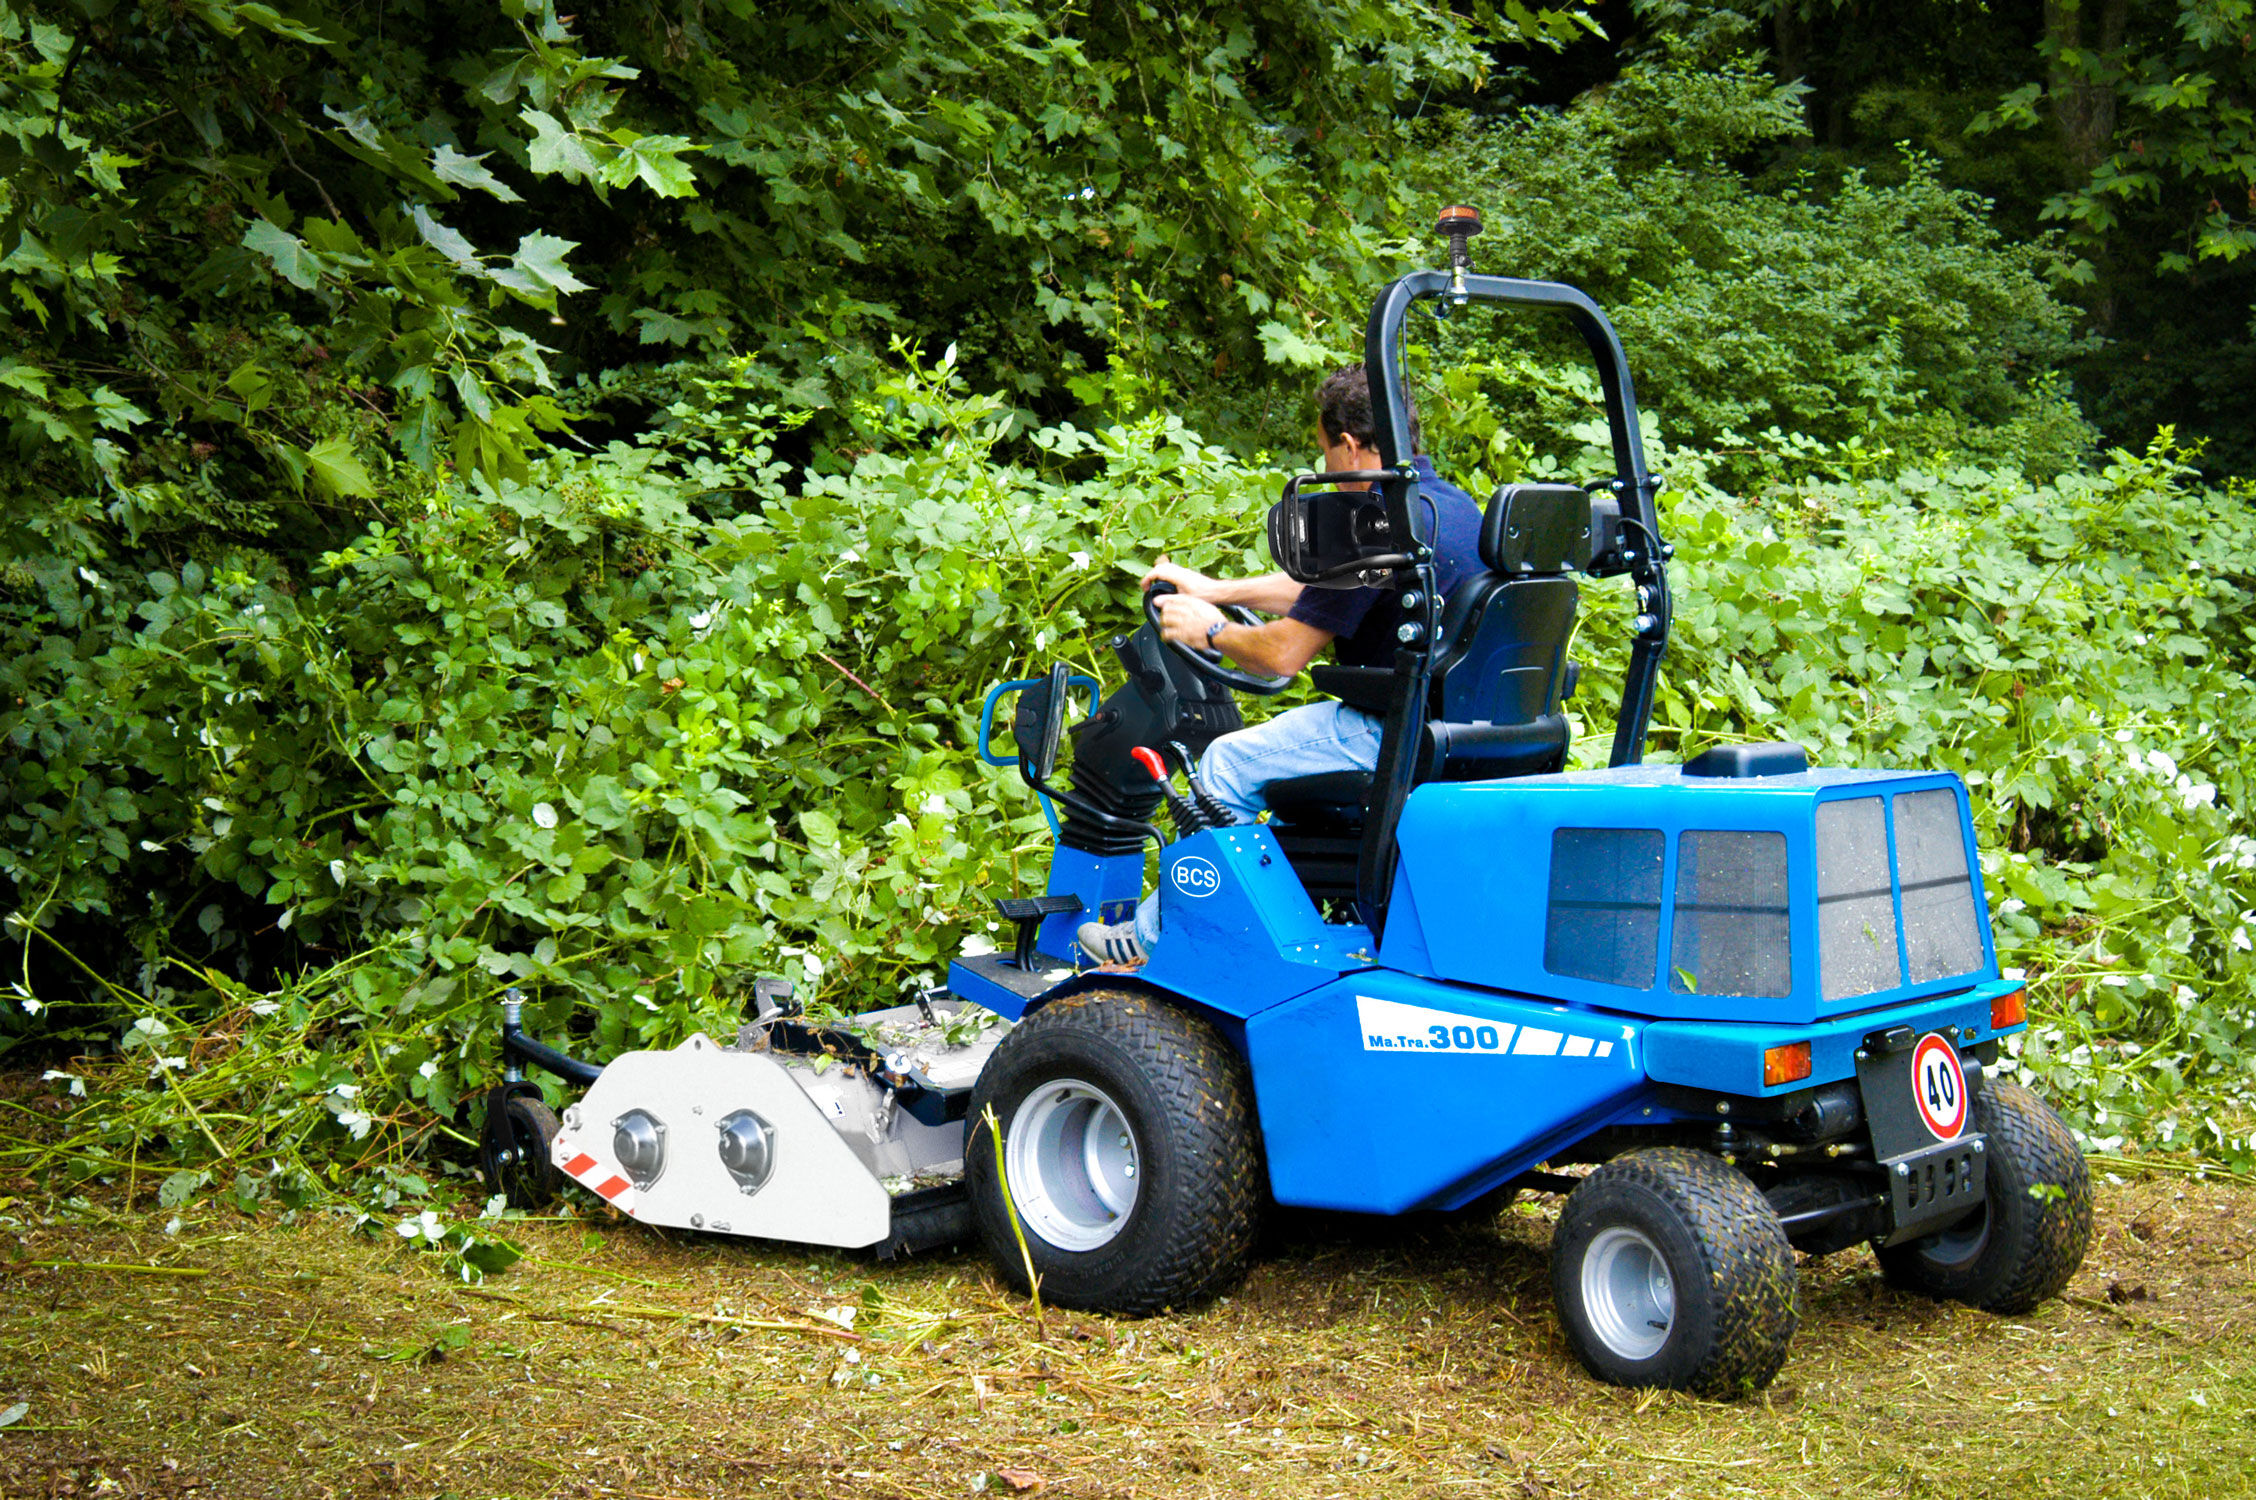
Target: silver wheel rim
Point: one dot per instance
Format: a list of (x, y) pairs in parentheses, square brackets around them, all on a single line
[(1628, 1293), (1072, 1164)]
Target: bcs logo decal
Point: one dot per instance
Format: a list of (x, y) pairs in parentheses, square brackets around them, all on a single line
[(1194, 876)]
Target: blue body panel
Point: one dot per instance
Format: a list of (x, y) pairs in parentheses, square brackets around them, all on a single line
[(1369, 1102), (1108, 886), (1238, 933), (1727, 1056)]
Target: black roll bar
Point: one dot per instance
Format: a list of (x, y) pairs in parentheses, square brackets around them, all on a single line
[(1642, 554)]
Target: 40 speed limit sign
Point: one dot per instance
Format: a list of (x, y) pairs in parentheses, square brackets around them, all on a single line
[(1938, 1086)]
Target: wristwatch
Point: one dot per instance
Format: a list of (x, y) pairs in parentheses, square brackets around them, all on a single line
[(1214, 630)]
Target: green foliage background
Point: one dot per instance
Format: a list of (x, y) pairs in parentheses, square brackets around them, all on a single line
[(487, 510)]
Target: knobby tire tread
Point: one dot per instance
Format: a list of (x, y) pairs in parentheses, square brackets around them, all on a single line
[(1750, 1272), (1203, 1236), (2034, 1246)]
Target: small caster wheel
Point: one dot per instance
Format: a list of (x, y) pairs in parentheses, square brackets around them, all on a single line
[(514, 1155)]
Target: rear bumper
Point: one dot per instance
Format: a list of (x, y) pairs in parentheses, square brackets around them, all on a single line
[(1727, 1056)]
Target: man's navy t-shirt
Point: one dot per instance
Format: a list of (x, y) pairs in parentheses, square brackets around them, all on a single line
[(1365, 620)]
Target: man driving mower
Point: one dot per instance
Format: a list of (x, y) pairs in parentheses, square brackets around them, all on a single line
[(1360, 622)]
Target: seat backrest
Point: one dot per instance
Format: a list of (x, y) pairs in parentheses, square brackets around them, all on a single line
[(1504, 649), (1504, 630), (1502, 664)]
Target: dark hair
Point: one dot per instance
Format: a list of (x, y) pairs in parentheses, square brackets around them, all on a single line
[(1343, 409)]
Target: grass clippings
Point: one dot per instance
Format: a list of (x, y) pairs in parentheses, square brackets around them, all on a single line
[(1419, 1360)]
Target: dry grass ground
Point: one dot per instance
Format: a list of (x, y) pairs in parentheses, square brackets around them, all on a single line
[(306, 1361)]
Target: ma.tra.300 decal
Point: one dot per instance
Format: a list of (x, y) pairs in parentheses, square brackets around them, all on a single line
[(1391, 1026)]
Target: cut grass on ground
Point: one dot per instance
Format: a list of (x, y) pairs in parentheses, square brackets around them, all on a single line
[(616, 1360)]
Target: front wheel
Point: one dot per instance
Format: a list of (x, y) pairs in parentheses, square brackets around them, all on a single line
[(1670, 1269), (2034, 1225), (1130, 1155)]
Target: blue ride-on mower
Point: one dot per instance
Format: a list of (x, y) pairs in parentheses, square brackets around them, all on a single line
[(1758, 1001)]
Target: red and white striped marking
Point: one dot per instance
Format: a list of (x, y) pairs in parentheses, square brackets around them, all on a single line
[(583, 1167)]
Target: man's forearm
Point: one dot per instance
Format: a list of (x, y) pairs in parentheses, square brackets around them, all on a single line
[(1277, 649), (1271, 593)]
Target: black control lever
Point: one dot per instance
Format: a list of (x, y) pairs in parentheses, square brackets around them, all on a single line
[(1215, 814), (1186, 817)]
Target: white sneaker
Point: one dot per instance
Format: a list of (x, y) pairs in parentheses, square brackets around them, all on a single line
[(1114, 944)]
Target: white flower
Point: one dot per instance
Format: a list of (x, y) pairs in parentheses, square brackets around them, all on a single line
[(934, 805), (77, 1084), (1079, 560), (429, 1069), (2012, 904), (356, 1122), (32, 1006), (701, 619), (977, 944), (544, 815), (265, 1007), (424, 1226)]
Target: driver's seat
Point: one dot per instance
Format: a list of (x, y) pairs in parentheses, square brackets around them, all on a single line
[(1499, 675)]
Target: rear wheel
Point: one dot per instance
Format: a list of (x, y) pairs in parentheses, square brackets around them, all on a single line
[(1130, 1155), (1670, 1269), (2030, 1234)]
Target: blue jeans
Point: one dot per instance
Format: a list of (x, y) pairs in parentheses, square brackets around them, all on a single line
[(1305, 741)]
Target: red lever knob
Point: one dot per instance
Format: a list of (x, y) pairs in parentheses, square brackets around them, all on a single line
[(1149, 759)]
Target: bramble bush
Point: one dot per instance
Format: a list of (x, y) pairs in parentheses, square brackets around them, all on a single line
[(618, 735), (653, 721)]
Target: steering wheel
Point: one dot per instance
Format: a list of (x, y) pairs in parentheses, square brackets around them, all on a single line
[(1208, 664)]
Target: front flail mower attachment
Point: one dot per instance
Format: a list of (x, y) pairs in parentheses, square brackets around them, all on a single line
[(845, 1135)]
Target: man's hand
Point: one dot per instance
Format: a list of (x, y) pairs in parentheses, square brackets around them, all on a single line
[(1185, 618), (1188, 580), (1271, 593)]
